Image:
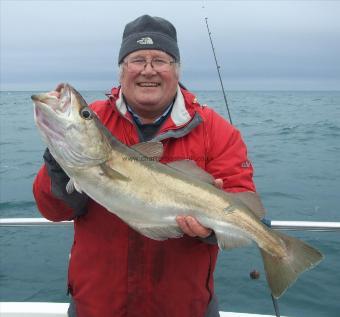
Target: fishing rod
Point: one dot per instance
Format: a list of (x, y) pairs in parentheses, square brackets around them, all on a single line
[(285, 225), (218, 69), (276, 306)]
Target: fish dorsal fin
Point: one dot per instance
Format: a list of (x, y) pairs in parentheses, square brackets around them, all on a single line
[(190, 168), (71, 186), (152, 150), (113, 173), (253, 201)]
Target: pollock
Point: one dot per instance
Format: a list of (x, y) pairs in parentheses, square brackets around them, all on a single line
[(148, 195)]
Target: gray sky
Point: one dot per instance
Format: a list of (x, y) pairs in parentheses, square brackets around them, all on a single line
[(259, 44)]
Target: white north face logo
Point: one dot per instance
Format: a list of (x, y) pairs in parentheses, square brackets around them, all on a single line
[(145, 40)]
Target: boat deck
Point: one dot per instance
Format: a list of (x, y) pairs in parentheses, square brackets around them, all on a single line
[(40, 309)]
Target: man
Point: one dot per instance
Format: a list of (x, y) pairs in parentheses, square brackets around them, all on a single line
[(113, 270)]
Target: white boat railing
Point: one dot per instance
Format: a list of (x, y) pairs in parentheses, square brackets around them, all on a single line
[(18, 222), (274, 224), (305, 225)]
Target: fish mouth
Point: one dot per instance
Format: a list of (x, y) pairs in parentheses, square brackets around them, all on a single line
[(51, 111), (57, 100)]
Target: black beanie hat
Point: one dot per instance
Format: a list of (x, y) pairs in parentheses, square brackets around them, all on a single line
[(149, 33)]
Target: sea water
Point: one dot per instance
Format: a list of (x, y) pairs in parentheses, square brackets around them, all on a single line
[(293, 140)]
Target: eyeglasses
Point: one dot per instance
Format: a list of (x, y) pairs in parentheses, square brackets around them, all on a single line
[(139, 64)]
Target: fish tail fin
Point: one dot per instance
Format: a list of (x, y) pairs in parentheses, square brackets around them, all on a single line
[(282, 272)]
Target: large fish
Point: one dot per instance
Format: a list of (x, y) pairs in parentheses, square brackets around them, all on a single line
[(148, 195)]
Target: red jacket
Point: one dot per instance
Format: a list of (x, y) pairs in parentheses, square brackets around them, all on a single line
[(115, 271)]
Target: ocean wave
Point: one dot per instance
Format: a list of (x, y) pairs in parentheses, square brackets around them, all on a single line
[(276, 194), (9, 143), (7, 169), (305, 130), (26, 164), (287, 130), (25, 128), (17, 205)]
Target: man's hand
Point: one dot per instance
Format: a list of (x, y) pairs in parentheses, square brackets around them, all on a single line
[(190, 226), (59, 179)]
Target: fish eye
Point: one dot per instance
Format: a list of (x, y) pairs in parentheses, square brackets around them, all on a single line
[(86, 114)]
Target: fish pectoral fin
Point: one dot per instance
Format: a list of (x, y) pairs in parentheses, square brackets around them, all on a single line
[(71, 186), (152, 150), (190, 168), (253, 201), (231, 238), (113, 173), (159, 232)]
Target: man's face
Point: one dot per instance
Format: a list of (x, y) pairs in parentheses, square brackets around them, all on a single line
[(147, 90)]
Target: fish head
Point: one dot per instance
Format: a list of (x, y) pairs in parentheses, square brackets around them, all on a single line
[(70, 128)]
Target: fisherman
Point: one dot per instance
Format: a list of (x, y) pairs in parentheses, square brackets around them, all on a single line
[(113, 270)]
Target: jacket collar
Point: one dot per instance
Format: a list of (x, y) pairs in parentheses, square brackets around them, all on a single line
[(179, 114)]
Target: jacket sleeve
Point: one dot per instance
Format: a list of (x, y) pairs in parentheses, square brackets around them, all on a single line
[(226, 158), (50, 207), (49, 189), (227, 155)]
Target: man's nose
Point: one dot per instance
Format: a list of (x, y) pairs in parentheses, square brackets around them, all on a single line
[(148, 68)]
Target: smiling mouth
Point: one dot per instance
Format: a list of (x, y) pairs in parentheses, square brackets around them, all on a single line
[(148, 84)]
